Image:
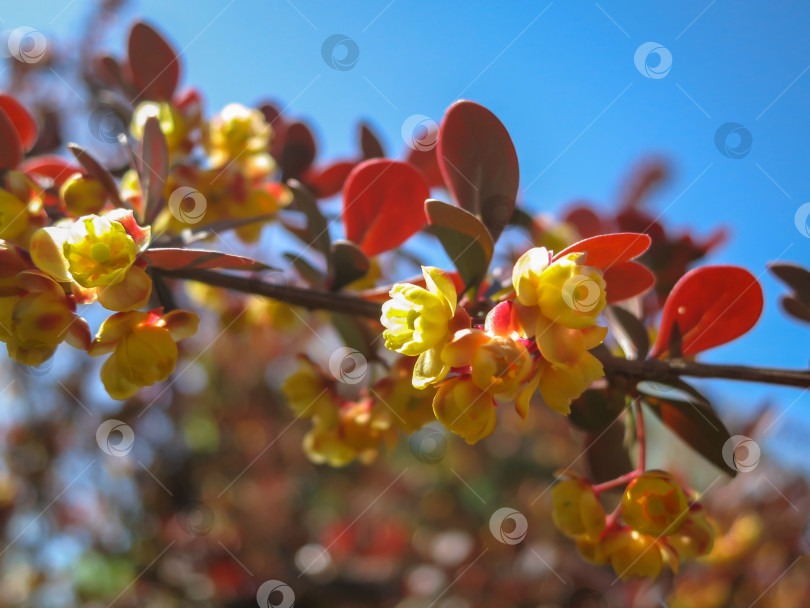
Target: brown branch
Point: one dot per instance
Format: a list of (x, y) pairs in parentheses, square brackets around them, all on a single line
[(615, 367)]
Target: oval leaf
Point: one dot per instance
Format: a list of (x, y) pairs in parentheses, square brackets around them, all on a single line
[(298, 150), (627, 280), (383, 204), (23, 122), (349, 263), (11, 148), (153, 168), (697, 424), (95, 169), (478, 161), (176, 259), (153, 62), (465, 239), (711, 306), (606, 250)]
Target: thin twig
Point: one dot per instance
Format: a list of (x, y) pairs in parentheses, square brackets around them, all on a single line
[(616, 368)]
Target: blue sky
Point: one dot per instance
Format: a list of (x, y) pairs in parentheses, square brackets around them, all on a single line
[(561, 76)]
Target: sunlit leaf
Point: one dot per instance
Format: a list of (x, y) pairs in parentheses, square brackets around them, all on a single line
[(383, 204), (711, 306), (153, 169), (22, 120)]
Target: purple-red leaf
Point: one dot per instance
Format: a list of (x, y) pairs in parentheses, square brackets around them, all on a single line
[(177, 259), (154, 64), (23, 122), (478, 161)]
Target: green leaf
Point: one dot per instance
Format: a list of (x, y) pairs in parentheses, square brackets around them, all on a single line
[(465, 239), (697, 424)]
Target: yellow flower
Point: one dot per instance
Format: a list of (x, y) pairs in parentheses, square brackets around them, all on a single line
[(571, 294), (308, 393), (560, 384), (13, 216), (413, 407), (417, 322), (654, 504), (632, 554), (498, 365), (99, 252), (172, 123), (465, 409), (576, 511), (239, 134), (143, 347), (34, 321), (695, 537), (83, 195)]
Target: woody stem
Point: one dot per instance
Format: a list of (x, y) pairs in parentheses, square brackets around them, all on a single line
[(616, 368)]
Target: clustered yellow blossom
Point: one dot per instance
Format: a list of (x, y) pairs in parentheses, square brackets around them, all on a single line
[(661, 526), (538, 341), (234, 185), (21, 208), (344, 430)]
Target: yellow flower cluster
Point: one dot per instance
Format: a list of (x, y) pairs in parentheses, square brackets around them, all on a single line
[(539, 340), (344, 430), (662, 527), (21, 208)]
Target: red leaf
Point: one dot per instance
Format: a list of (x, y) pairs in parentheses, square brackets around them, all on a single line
[(478, 161), (329, 181), (585, 220), (607, 250), (55, 168), (23, 122), (428, 165), (627, 280), (153, 62), (176, 259), (11, 148), (383, 204), (711, 305)]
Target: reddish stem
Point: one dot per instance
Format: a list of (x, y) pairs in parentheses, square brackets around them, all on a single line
[(619, 481), (642, 441)]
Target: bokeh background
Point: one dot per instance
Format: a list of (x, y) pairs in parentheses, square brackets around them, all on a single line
[(561, 76)]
